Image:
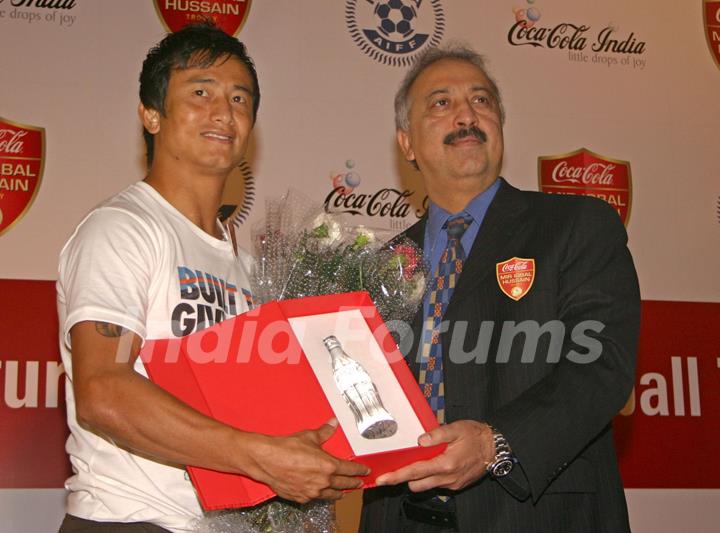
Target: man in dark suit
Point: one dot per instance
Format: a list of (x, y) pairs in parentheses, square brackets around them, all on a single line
[(537, 343)]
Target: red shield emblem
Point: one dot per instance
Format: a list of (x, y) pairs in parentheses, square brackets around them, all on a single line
[(586, 173), (515, 276), (229, 15), (711, 16), (22, 160)]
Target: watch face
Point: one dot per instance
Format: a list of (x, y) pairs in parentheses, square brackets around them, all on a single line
[(502, 468)]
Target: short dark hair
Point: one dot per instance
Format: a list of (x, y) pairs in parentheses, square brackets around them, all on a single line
[(196, 45), (454, 51)]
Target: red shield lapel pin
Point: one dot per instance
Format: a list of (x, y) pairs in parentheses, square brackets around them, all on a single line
[(515, 276), (228, 15), (711, 16), (586, 173), (22, 160)]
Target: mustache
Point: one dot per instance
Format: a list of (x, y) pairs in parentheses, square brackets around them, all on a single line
[(465, 132)]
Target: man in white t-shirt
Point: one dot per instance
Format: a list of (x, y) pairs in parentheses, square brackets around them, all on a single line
[(154, 262)]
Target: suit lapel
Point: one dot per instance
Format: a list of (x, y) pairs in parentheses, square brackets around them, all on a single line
[(465, 385), (502, 220)]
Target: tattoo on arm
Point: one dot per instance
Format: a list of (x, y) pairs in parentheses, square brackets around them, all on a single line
[(107, 329)]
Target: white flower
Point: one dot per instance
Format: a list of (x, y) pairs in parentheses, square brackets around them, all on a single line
[(363, 237), (326, 229)]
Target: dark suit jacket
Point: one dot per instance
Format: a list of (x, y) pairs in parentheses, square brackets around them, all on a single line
[(555, 414)]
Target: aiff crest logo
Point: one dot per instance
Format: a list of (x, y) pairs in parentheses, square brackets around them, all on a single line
[(394, 31)]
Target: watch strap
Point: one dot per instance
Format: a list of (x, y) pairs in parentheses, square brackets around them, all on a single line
[(514, 481)]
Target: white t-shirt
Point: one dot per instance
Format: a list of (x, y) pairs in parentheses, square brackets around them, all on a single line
[(136, 261)]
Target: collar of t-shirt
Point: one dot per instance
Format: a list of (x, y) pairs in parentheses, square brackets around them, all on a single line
[(436, 237)]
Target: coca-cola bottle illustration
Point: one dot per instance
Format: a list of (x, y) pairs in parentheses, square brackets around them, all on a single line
[(372, 419)]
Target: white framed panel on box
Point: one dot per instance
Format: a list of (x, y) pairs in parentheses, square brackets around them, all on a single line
[(358, 341)]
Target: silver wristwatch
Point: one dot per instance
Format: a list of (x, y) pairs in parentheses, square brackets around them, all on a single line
[(504, 459)]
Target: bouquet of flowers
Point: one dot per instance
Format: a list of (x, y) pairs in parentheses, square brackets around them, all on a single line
[(303, 251), (276, 516)]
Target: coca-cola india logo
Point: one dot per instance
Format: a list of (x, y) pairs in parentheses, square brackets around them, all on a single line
[(45, 4), (573, 37), (39, 11)]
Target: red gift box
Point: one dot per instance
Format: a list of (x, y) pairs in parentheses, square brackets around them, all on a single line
[(251, 372)]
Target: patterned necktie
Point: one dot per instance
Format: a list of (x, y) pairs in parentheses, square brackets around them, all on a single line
[(446, 276)]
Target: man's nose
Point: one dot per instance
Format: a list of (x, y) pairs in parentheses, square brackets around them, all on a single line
[(222, 110), (465, 114)]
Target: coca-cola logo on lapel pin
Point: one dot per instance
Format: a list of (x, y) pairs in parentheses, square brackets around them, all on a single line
[(515, 276)]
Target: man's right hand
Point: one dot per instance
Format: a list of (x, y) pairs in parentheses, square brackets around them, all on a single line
[(298, 469)]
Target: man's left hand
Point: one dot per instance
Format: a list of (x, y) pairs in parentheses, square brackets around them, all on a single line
[(470, 449)]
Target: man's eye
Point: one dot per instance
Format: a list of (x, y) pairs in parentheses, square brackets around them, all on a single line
[(482, 100), (239, 99), (200, 92), (441, 102)]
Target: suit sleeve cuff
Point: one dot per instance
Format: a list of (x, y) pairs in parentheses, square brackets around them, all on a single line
[(516, 483)]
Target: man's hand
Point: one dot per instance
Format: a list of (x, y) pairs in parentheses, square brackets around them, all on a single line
[(470, 449), (297, 469), (112, 400)]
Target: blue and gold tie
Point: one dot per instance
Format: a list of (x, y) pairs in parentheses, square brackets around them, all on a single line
[(446, 275)]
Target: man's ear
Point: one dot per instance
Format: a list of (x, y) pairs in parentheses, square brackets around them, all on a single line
[(403, 139), (150, 118)]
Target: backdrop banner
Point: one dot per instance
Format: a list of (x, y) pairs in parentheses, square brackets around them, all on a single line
[(614, 99)]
